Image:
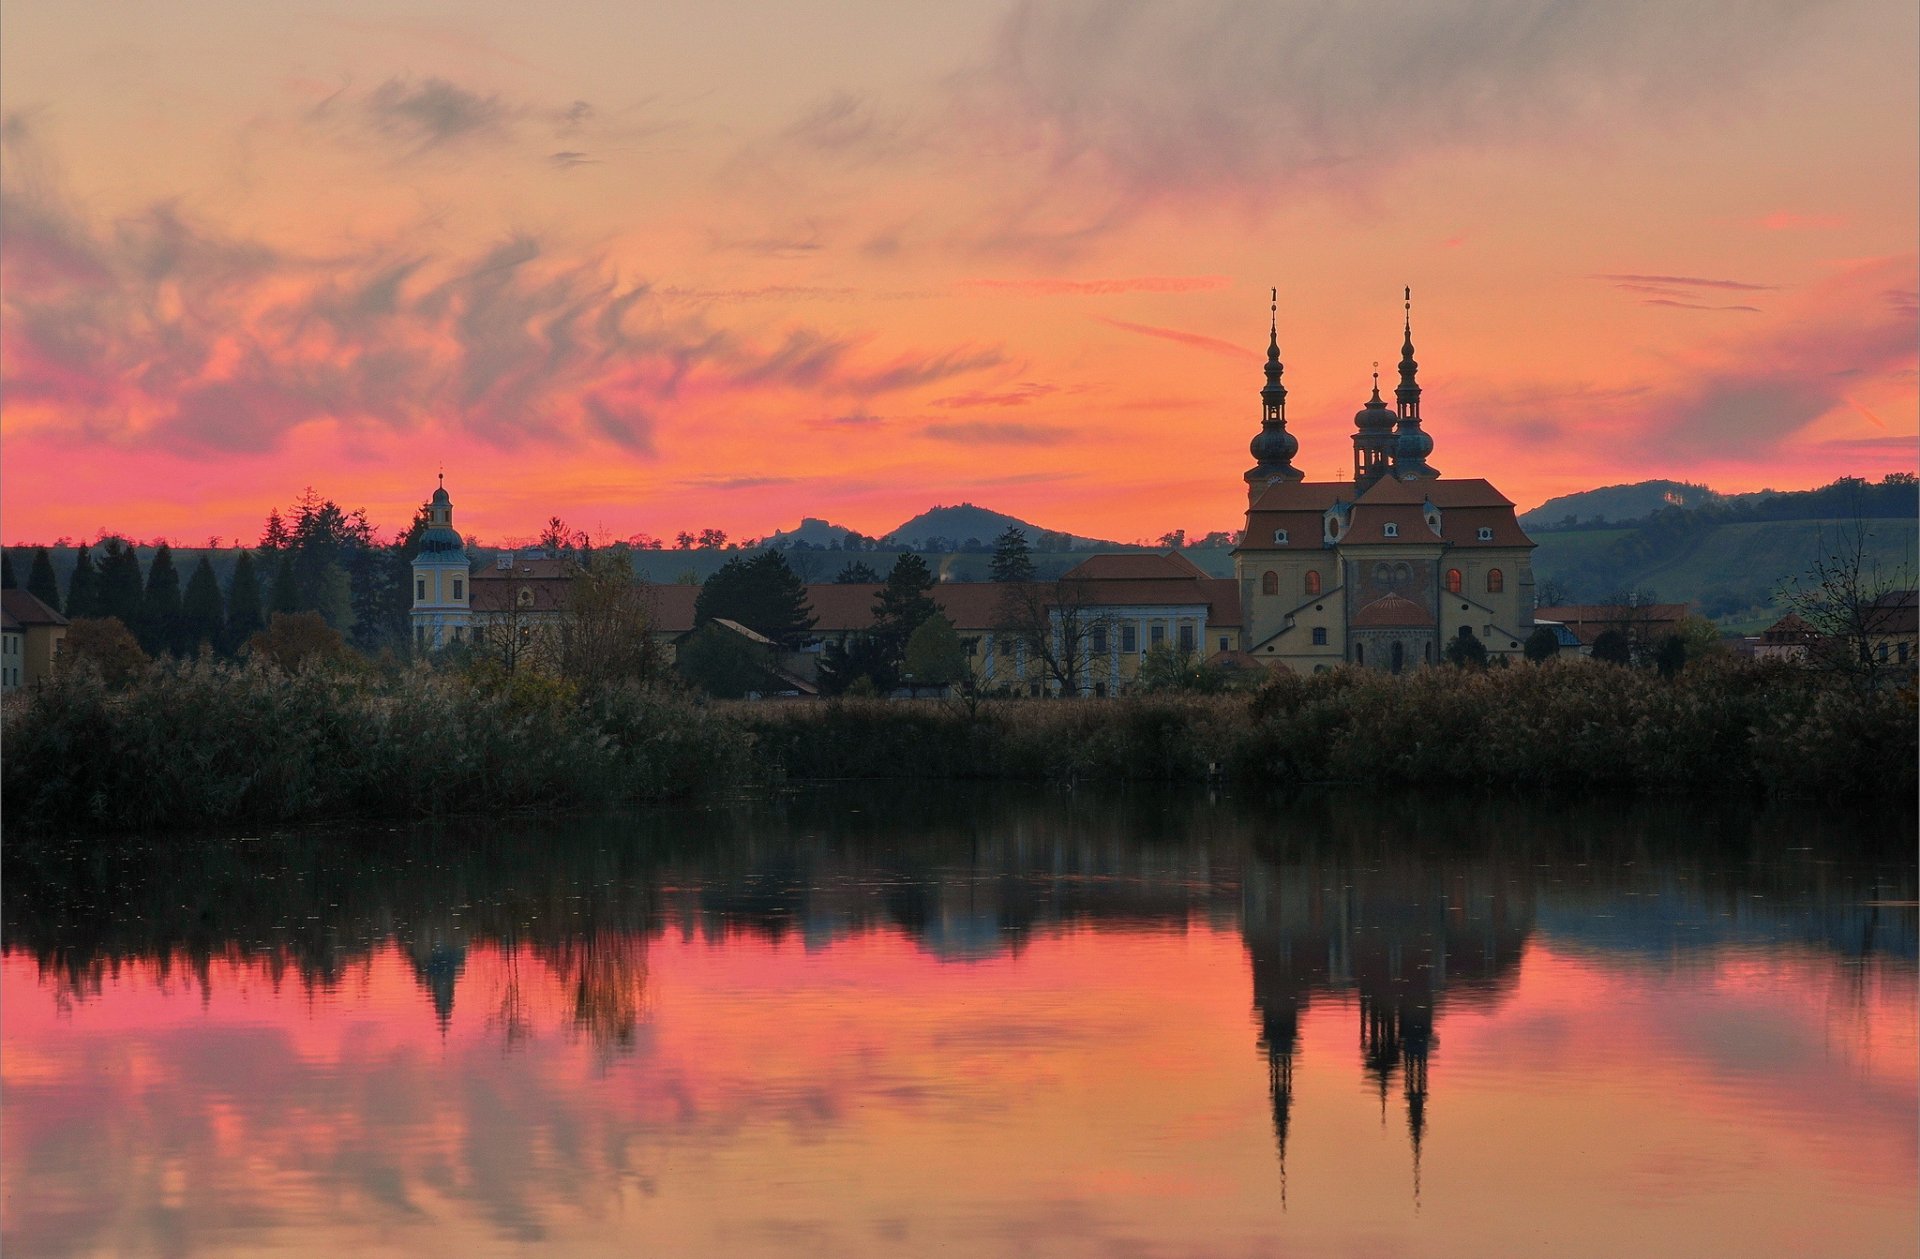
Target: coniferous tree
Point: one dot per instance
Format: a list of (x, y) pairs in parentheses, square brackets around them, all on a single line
[(905, 601), (120, 593), (857, 572), (285, 595), (83, 587), (244, 618), (157, 625), (40, 580), (202, 619), (6, 571), (760, 592), (1012, 557)]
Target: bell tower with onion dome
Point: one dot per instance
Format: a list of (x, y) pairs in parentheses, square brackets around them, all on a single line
[(442, 589), (1273, 446)]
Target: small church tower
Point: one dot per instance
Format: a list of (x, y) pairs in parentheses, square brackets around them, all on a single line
[(442, 588)]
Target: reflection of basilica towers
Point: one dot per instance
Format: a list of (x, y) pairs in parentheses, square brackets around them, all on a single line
[(437, 964), (1397, 940)]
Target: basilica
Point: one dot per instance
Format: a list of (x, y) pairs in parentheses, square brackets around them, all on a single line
[(1385, 570)]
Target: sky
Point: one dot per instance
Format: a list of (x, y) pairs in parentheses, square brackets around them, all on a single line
[(688, 265)]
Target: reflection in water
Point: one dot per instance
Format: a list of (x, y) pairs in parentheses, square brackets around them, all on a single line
[(788, 1002)]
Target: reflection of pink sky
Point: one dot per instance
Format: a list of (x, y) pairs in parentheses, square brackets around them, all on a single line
[(1102, 1087)]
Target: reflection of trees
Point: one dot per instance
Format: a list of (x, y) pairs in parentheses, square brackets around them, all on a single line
[(1401, 904)]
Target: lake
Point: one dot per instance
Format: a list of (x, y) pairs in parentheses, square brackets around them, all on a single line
[(860, 1021)]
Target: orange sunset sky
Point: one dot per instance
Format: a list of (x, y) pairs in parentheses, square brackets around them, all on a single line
[(677, 265)]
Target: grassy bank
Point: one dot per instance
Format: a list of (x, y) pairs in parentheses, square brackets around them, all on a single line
[(211, 744)]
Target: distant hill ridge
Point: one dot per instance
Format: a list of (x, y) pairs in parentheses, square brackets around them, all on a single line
[(1893, 496), (963, 526)]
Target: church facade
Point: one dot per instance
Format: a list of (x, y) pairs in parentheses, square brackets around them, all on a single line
[(1384, 571)]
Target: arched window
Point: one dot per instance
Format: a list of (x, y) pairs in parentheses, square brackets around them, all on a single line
[(1313, 581), (1453, 580), (1359, 653), (1270, 583), (1496, 582)]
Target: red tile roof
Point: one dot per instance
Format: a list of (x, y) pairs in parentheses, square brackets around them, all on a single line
[(1589, 620), (1141, 566), (22, 609)]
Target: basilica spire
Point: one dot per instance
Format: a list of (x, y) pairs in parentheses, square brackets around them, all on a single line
[(1411, 443), (1273, 447)]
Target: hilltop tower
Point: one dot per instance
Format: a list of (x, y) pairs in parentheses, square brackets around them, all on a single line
[(1273, 447), (442, 608)]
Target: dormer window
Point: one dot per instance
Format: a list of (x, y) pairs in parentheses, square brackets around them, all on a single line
[(1484, 534), (1279, 537), (1391, 530)]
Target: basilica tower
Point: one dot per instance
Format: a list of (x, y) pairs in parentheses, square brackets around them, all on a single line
[(1273, 447)]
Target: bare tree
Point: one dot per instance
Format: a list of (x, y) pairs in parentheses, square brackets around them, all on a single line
[(1060, 622), (606, 633), (515, 637), (1848, 599)]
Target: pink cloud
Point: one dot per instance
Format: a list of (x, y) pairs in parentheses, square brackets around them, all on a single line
[(1137, 284), (1198, 341)]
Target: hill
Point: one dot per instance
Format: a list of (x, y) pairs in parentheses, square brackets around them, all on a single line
[(966, 528), (1616, 503), (813, 531)]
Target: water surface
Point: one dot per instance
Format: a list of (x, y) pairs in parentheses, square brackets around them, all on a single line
[(856, 1022)]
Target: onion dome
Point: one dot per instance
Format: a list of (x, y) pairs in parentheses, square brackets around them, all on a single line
[(440, 539), (1376, 416)]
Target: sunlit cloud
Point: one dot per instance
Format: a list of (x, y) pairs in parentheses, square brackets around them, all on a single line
[(1194, 340)]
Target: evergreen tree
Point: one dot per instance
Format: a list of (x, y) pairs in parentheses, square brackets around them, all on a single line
[(1012, 557), (40, 580), (863, 656), (857, 572), (285, 595), (157, 624), (1542, 644), (244, 619), (120, 594), (202, 619), (83, 587), (905, 601), (760, 592), (275, 536), (6, 571)]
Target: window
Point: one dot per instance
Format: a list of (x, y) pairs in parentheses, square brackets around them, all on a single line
[(1186, 639), (1453, 581), (1484, 534), (1004, 646), (459, 631), (420, 635), (1496, 581), (1903, 649), (1359, 653), (1391, 530), (525, 597), (1903, 653), (1157, 634), (1319, 636), (420, 590), (1279, 537), (1270, 583), (1100, 639), (459, 589), (1313, 581), (1129, 638), (1100, 689)]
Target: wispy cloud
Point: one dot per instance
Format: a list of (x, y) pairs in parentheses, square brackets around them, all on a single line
[(1686, 282), (993, 433), (433, 112), (1020, 395), (162, 331), (1195, 340), (1075, 288)]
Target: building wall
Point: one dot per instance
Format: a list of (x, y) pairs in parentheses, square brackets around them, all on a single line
[(1280, 625), (40, 652)]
